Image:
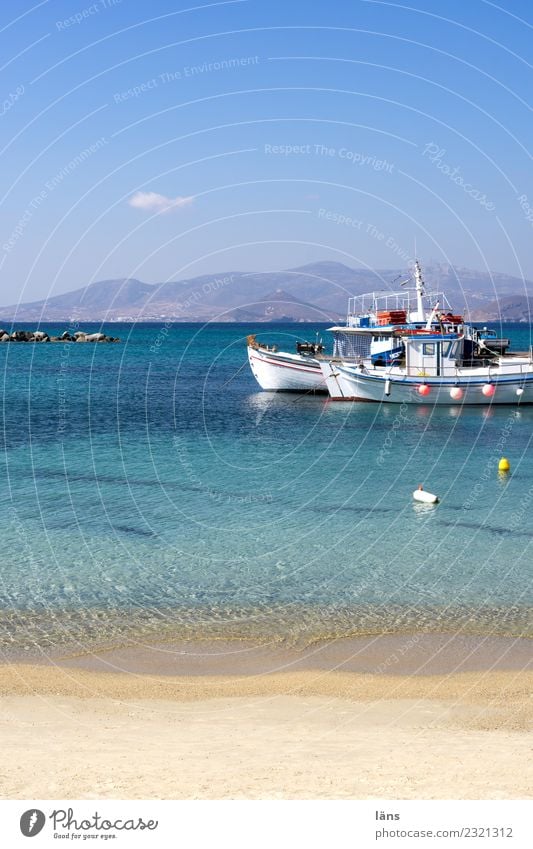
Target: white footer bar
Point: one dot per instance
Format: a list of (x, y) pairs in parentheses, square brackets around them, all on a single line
[(269, 824)]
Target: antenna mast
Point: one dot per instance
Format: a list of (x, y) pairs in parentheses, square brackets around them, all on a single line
[(420, 290)]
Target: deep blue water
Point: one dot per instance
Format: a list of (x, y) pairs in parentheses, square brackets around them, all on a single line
[(150, 489)]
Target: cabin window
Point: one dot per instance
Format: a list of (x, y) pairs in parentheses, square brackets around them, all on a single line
[(449, 350), (428, 349)]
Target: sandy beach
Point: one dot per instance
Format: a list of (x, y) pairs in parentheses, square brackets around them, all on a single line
[(72, 730)]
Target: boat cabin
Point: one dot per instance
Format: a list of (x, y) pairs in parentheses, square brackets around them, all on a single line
[(431, 354)]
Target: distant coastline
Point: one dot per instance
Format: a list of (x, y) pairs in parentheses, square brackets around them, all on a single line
[(317, 292)]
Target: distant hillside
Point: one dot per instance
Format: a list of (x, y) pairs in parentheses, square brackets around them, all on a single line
[(507, 308), (315, 292)]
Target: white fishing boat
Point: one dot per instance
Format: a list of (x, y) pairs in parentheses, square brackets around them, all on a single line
[(437, 360), (493, 341), (433, 372), (281, 371)]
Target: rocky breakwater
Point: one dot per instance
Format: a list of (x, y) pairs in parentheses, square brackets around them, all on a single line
[(42, 336)]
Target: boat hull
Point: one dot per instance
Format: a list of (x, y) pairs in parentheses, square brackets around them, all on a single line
[(351, 383), (283, 372)]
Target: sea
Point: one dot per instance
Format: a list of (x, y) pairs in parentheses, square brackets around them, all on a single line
[(151, 491)]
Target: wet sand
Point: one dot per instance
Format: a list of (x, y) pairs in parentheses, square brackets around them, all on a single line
[(388, 654), (448, 718)]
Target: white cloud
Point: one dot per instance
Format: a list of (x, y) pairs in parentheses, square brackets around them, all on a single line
[(153, 202)]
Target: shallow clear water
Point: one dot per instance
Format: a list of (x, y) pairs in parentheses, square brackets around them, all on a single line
[(145, 496)]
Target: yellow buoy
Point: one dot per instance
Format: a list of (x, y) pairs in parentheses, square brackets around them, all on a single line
[(504, 465)]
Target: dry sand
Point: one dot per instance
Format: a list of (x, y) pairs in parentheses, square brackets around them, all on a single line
[(76, 733)]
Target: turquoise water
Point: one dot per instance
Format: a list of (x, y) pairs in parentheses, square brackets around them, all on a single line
[(144, 496)]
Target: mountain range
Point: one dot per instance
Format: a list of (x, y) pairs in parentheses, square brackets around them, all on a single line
[(311, 293)]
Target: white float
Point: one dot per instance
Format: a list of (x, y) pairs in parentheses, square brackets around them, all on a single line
[(420, 494)]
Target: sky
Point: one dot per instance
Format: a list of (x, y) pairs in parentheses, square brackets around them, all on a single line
[(165, 140)]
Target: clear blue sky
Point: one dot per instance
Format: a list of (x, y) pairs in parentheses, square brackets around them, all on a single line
[(163, 140)]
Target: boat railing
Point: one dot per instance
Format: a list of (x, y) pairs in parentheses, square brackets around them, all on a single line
[(372, 302)]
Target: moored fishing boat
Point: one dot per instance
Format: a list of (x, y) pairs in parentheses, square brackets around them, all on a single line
[(493, 341), (279, 371), (433, 371)]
